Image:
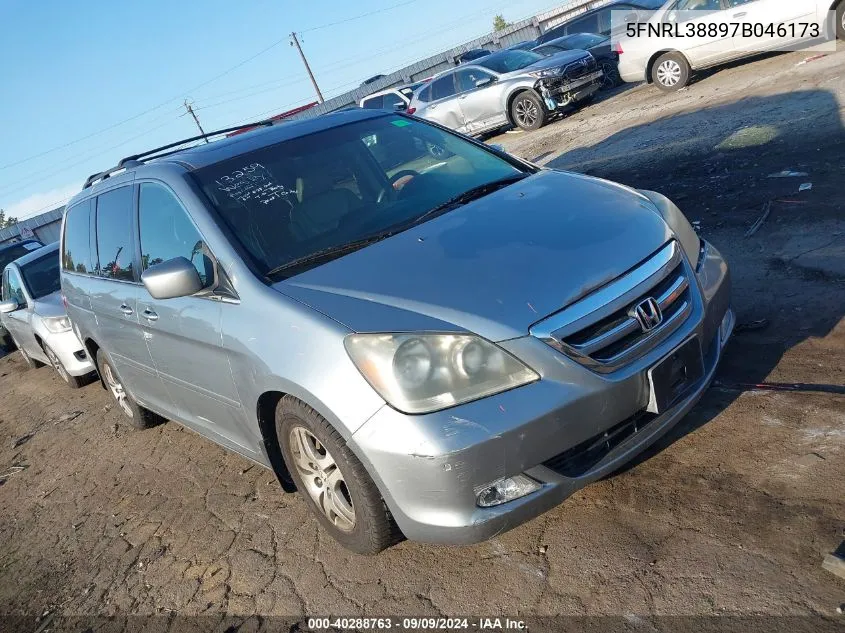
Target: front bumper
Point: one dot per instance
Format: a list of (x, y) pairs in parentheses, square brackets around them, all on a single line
[(70, 351), (429, 468), (558, 95)]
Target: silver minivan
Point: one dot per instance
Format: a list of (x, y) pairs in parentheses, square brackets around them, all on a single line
[(423, 335)]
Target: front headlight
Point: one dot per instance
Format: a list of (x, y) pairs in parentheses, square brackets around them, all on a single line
[(421, 373), (548, 72), (57, 324), (679, 224)]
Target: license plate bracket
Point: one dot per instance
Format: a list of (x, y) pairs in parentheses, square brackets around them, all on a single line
[(672, 377)]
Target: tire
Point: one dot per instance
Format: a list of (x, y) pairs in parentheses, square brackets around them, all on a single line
[(132, 413), (74, 382), (840, 21), (527, 111), (670, 72), (351, 509), (611, 77)]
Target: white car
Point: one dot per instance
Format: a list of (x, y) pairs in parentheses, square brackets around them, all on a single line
[(397, 98), (721, 30), (34, 314)]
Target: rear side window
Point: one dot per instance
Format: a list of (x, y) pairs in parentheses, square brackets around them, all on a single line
[(114, 235), (425, 94), (443, 87), (76, 247), (167, 232), (373, 103)]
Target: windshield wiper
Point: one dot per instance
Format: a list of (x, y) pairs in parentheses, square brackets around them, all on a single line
[(468, 196), (330, 252)]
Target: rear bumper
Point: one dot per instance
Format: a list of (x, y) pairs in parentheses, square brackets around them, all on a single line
[(430, 468), (632, 70)]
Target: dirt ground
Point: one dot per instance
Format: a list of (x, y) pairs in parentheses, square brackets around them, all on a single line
[(731, 514)]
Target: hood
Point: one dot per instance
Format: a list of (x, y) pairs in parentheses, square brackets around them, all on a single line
[(553, 61), (494, 266), (50, 305)]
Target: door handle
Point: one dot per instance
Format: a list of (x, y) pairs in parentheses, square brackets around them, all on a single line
[(126, 309), (741, 14), (149, 315)]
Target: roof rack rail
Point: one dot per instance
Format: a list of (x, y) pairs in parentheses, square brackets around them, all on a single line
[(136, 159)]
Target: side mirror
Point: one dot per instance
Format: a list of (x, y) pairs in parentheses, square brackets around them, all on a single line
[(400, 107), (10, 305), (484, 82), (176, 277)]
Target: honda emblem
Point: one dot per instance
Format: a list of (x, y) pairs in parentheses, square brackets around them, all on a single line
[(648, 315)]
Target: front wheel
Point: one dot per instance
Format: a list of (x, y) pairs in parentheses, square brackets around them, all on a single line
[(74, 382), (527, 111), (334, 484), (671, 72)]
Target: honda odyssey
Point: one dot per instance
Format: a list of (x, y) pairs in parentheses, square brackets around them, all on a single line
[(423, 335)]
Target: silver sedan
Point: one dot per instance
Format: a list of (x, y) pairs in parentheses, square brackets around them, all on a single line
[(510, 87), (33, 313)]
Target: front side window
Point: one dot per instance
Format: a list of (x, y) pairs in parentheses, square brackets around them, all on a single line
[(443, 87), (393, 101), (291, 200), (76, 246), (42, 275), (114, 235), (469, 77), (587, 24), (167, 232), (12, 287)]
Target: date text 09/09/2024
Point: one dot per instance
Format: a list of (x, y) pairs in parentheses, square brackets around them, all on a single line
[(790, 30), (416, 624)]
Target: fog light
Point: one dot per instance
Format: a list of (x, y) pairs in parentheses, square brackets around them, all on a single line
[(727, 326), (506, 489)]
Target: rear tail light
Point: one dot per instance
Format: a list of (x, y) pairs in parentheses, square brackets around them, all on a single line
[(411, 110), (617, 48)]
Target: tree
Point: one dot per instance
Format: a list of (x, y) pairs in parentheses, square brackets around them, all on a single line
[(5, 222), (499, 23)]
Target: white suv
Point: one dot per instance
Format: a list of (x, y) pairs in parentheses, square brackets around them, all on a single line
[(668, 61)]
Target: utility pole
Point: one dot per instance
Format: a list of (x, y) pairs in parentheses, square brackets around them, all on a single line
[(295, 42), (190, 109)]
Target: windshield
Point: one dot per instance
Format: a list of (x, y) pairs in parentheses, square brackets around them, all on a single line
[(509, 61), (582, 40), (343, 185), (41, 275)]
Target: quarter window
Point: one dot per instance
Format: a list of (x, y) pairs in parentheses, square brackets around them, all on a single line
[(76, 246), (167, 232), (114, 235)]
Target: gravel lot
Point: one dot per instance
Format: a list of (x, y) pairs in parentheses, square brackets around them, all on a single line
[(732, 514)]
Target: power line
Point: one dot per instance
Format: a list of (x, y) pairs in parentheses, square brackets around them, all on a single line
[(358, 17)]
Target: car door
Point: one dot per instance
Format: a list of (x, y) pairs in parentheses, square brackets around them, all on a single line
[(758, 14), (443, 107), (18, 323), (183, 334), (479, 96), (709, 22), (113, 293)]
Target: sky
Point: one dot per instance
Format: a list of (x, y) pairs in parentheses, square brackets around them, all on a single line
[(83, 84)]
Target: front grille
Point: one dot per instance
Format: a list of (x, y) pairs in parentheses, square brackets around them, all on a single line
[(580, 459), (579, 69), (602, 331)]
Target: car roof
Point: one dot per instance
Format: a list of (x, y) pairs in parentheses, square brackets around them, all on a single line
[(36, 254), (3, 247)]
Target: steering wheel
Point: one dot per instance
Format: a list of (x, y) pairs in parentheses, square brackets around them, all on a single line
[(402, 178)]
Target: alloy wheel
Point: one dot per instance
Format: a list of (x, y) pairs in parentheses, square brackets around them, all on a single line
[(56, 363), (322, 478), (669, 73), (526, 112), (117, 389), (609, 75)]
